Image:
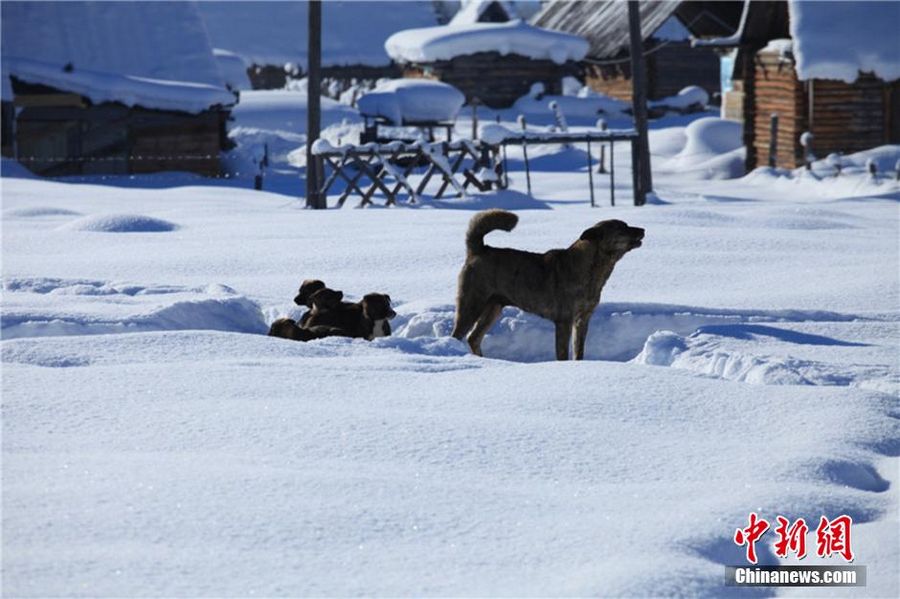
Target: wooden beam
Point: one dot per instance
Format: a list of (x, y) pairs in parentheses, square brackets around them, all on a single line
[(641, 161), (314, 196)]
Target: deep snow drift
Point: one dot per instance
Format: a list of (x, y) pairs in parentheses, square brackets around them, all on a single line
[(156, 442)]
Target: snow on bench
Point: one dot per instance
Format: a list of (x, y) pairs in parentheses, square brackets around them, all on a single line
[(412, 101)]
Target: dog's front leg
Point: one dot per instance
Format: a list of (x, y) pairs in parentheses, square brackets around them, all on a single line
[(563, 337), (581, 331)]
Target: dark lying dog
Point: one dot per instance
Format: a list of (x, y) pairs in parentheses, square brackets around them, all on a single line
[(561, 285), (287, 328), (367, 318)]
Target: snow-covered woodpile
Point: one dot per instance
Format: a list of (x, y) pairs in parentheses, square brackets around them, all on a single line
[(113, 88)]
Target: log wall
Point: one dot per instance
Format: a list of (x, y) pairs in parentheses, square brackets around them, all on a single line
[(849, 117), (843, 117), (111, 138)]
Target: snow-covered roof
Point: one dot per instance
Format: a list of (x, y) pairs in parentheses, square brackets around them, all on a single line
[(430, 44), (409, 100), (472, 11), (155, 55), (275, 33), (838, 40)]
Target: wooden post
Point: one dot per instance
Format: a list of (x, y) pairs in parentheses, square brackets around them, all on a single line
[(641, 156), (524, 125), (612, 173), (314, 196), (773, 140), (475, 102), (601, 170)]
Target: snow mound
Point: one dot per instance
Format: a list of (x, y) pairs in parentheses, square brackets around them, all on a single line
[(768, 355), (836, 176), (430, 44), (44, 307), (618, 332), (713, 149), (711, 136), (405, 100), (122, 223)]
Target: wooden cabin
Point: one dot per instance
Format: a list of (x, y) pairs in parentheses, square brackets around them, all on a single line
[(497, 81), (820, 80), (82, 106), (271, 37), (492, 63), (666, 27)]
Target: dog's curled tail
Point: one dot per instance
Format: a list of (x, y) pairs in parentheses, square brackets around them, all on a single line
[(485, 222)]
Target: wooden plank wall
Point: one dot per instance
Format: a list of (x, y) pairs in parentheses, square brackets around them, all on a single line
[(496, 80)]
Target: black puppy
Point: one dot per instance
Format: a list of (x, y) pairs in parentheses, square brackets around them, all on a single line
[(307, 288), (367, 318)]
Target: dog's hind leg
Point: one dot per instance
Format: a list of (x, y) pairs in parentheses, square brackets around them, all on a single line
[(581, 330), (563, 338), (468, 309), (487, 319)]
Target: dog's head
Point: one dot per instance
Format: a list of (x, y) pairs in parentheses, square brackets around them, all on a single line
[(377, 306), (307, 288), (284, 328), (326, 299), (614, 236)]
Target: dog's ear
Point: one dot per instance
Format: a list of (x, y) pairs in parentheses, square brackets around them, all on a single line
[(595, 233)]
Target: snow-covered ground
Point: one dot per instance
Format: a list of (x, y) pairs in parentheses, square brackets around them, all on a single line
[(156, 442)]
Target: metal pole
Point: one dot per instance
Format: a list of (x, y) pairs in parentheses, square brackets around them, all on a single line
[(314, 196), (643, 181)]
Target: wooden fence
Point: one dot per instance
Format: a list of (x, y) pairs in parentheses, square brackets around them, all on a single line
[(370, 168)]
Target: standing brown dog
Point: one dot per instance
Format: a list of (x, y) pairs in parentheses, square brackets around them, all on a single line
[(561, 285)]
